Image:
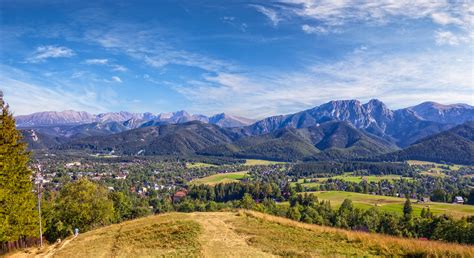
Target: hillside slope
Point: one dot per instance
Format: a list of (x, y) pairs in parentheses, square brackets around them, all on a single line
[(238, 234), (328, 140), (455, 145), (158, 140)]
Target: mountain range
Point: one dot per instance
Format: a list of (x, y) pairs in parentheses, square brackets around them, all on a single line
[(342, 129), (131, 120)]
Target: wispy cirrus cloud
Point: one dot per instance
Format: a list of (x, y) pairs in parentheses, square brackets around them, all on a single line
[(26, 96), (42, 53), (106, 62), (116, 79), (97, 61), (270, 13), (135, 41), (397, 79), (449, 38), (308, 29), (334, 14), (342, 12)]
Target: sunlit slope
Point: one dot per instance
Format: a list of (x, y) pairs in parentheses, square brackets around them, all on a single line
[(240, 234)]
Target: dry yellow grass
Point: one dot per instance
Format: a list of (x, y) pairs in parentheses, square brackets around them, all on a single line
[(384, 245), (238, 234)]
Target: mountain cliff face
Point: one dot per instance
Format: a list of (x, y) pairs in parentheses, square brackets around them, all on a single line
[(401, 127), (454, 114)]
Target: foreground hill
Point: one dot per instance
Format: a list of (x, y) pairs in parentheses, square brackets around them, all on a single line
[(238, 234), (455, 145)]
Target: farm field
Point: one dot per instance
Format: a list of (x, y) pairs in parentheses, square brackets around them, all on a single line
[(350, 178), (248, 162), (260, 162), (435, 169), (393, 204), (199, 165), (221, 178), (437, 165), (236, 234)]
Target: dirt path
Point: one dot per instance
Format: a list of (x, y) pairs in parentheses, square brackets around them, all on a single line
[(56, 248), (220, 240), (47, 252)]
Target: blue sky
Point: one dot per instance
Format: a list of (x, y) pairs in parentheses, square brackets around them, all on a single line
[(249, 58)]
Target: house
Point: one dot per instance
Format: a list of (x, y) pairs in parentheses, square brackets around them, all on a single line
[(73, 164), (458, 200), (179, 195), (423, 199), (121, 176)]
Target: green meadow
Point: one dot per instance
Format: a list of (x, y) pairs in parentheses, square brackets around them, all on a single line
[(393, 204), (221, 178)]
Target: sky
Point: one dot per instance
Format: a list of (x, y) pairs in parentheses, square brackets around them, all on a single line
[(247, 58)]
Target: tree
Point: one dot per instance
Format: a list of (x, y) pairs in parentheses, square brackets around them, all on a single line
[(18, 216), (438, 195), (407, 209), (470, 198), (122, 205), (294, 213), (299, 187), (84, 205), (247, 202)]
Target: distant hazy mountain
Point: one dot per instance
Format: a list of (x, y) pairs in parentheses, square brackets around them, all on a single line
[(133, 120), (225, 120), (455, 145), (67, 117)]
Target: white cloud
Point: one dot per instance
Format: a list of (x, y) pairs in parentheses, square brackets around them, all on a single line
[(116, 79), (26, 98), (397, 79), (97, 61), (340, 13), (314, 29), (106, 62), (119, 68), (271, 14), (45, 52), (449, 38), (228, 18), (134, 41), (445, 19)]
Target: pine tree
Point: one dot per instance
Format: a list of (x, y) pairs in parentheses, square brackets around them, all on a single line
[(407, 209), (17, 202)]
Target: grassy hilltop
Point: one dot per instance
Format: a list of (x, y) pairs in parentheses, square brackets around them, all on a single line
[(236, 234)]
